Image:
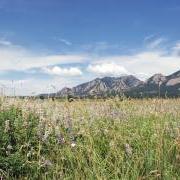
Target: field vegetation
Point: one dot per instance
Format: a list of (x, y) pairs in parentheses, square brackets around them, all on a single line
[(90, 139)]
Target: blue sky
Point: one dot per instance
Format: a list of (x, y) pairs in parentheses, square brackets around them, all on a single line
[(57, 43)]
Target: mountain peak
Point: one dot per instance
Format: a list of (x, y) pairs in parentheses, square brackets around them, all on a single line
[(173, 79), (128, 85), (101, 86), (156, 79), (64, 92)]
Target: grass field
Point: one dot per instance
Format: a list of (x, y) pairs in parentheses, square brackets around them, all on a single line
[(90, 139)]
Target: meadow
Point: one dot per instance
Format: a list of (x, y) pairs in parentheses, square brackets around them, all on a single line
[(90, 139)]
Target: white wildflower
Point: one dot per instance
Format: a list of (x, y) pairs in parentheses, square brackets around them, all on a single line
[(9, 147), (128, 150), (73, 144), (7, 125)]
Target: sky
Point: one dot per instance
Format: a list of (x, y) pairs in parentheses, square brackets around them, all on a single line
[(46, 45)]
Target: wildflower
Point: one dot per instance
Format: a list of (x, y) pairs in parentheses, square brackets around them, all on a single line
[(40, 130), (7, 125), (112, 144), (61, 140), (58, 135), (128, 150), (73, 144), (46, 163), (9, 147), (45, 137), (25, 124), (28, 154)]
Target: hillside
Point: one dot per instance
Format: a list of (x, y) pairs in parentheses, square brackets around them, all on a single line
[(157, 85)]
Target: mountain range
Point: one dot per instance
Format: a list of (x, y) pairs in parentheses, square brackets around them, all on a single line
[(157, 85)]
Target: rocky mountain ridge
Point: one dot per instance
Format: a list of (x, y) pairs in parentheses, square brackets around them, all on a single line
[(157, 85)]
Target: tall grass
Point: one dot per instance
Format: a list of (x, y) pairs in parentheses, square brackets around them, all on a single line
[(112, 139)]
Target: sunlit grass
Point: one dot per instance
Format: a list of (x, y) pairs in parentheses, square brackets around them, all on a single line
[(90, 139)]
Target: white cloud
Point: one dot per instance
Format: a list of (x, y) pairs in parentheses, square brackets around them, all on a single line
[(62, 40), (109, 69), (149, 37), (154, 43), (141, 64), (176, 49), (56, 70), (18, 58), (34, 86), (66, 42), (5, 42), (147, 63)]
